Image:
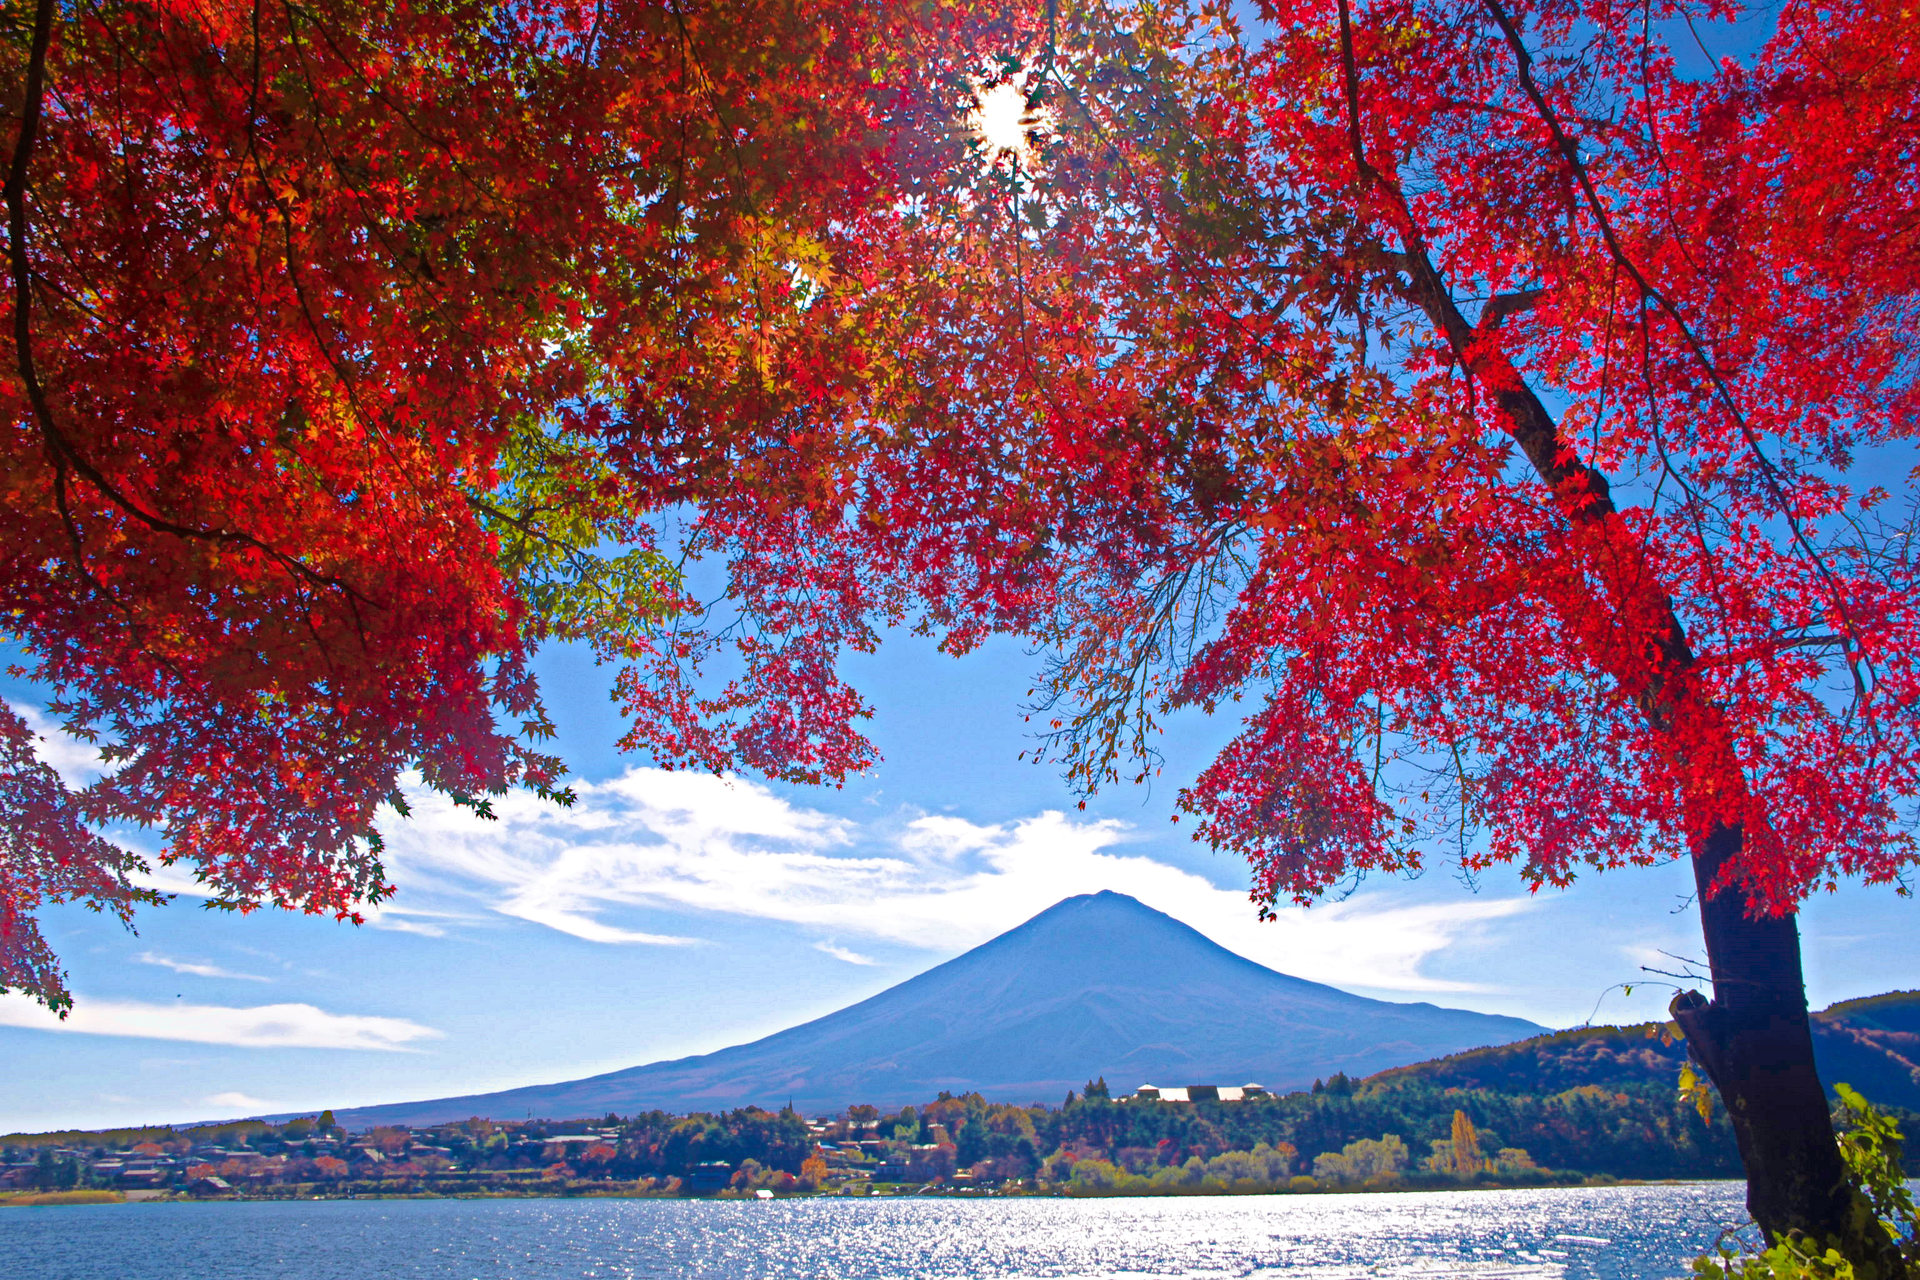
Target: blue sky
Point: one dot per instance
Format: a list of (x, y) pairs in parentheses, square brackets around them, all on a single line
[(670, 914)]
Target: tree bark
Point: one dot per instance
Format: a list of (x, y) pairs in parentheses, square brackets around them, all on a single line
[(1754, 1041)]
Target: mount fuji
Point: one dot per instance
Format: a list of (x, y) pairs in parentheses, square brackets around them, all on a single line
[(1096, 985)]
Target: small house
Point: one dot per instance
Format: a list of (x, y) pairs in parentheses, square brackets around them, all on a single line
[(710, 1176)]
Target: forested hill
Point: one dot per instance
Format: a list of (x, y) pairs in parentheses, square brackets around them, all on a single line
[(1599, 1100), (1872, 1044)]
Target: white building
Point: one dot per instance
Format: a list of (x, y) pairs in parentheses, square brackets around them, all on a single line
[(1198, 1093)]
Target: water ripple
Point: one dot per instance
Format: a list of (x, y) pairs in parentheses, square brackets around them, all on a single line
[(1613, 1233)]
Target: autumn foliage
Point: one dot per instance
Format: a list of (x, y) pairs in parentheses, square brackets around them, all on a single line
[(349, 349), (1503, 410), (1507, 417), (1513, 419)]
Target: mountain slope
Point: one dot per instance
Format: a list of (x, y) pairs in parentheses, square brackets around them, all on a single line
[(1872, 1044), (1099, 984)]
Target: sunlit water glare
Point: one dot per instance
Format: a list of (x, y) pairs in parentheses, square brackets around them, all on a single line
[(1615, 1233)]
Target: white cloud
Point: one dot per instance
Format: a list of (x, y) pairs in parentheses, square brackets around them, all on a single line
[(652, 840), (174, 880), (267, 1026), (238, 1101), (394, 919), (841, 953), (194, 968), (77, 762), (943, 837), (385, 916), (391, 924)]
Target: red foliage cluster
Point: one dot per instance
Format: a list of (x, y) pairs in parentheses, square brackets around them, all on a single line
[(1507, 413), (1511, 412), (343, 341)]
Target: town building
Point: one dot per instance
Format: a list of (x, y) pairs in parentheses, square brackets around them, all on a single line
[(1197, 1093)]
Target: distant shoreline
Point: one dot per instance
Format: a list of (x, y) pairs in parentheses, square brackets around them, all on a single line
[(52, 1199)]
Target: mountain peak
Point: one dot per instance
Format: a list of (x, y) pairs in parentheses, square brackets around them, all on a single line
[(1109, 939), (1098, 984), (1102, 900), (1108, 898), (1106, 905)]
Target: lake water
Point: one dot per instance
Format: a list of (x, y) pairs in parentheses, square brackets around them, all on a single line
[(1612, 1233)]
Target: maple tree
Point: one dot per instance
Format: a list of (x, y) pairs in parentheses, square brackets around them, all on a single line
[(353, 351), (1518, 421)]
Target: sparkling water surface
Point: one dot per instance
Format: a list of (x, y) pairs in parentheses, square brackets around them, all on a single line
[(1608, 1233)]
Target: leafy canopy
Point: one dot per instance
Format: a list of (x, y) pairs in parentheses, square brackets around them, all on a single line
[(1509, 424), (1499, 415), (356, 349)]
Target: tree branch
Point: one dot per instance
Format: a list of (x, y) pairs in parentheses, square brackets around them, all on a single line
[(1570, 152), (1500, 306), (64, 456), (1584, 493)]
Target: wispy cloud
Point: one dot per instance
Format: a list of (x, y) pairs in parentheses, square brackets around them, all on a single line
[(78, 763), (841, 953), (267, 1026), (238, 1101), (179, 881), (652, 841), (175, 880), (195, 968), (408, 919)]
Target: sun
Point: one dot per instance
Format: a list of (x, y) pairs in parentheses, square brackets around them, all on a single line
[(1001, 119)]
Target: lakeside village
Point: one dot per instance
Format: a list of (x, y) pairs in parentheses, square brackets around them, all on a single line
[(1196, 1140)]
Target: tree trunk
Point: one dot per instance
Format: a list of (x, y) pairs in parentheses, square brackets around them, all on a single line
[(1754, 1041)]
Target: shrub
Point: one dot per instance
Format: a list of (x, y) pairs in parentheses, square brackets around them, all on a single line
[(1870, 1146)]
